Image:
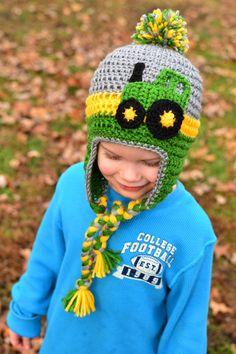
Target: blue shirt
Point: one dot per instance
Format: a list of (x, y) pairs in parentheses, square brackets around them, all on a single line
[(156, 301)]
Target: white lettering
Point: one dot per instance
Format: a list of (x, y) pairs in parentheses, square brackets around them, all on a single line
[(163, 257), (142, 247), (147, 238), (126, 246), (157, 252), (140, 235), (163, 244), (134, 247), (151, 248)]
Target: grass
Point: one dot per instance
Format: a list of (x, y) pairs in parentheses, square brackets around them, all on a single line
[(64, 124)]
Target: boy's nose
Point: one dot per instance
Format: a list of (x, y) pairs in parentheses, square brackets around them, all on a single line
[(130, 174)]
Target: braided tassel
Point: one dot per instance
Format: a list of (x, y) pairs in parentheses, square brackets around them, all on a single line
[(80, 301), (96, 259), (99, 269)]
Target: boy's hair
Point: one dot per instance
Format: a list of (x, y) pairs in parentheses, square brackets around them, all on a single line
[(145, 95)]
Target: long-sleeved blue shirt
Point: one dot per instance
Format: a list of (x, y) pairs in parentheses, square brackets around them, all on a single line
[(156, 301)]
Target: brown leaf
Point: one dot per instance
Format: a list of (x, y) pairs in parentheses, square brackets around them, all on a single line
[(8, 120), (22, 108), (209, 158), (84, 79), (79, 137), (49, 180), (219, 307), (3, 181), (77, 115), (215, 294), (15, 164), (201, 189), (226, 187), (199, 153), (25, 253), (21, 137), (33, 153), (222, 250), (26, 125), (233, 258), (80, 59), (39, 113), (214, 105), (220, 199), (192, 174), (233, 348)]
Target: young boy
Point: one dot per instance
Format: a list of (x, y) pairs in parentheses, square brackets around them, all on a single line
[(123, 216)]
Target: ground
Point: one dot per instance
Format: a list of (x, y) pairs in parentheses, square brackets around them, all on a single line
[(49, 50)]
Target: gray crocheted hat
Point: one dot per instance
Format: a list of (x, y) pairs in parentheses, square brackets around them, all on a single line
[(146, 94)]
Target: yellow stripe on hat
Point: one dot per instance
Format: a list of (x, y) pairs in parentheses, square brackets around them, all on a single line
[(190, 126), (108, 102), (105, 102)]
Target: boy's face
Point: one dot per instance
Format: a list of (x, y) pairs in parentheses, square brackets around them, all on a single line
[(130, 171)]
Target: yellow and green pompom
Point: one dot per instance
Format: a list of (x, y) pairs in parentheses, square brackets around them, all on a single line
[(166, 28)]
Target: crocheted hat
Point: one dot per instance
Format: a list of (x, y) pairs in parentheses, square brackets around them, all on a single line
[(146, 95)]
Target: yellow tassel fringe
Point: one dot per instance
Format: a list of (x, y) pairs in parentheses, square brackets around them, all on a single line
[(99, 267), (84, 302)]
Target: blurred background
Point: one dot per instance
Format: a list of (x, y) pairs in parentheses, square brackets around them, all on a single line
[(48, 52)]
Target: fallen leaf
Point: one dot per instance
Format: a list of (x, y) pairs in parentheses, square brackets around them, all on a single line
[(209, 158), (84, 79), (79, 136), (3, 181), (222, 250), (39, 113), (8, 120), (25, 253), (233, 258), (199, 153), (77, 115), (192, 174), (21, 137), (201, 189), (15, 164), (220, 199), (215, 294), (233, 348), (49, 180), (33, 153), (26, 124), (226, 187), (22, 108), (219, 307)]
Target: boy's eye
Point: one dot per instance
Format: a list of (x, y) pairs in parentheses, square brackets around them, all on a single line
[(112, 157), (152, 164)]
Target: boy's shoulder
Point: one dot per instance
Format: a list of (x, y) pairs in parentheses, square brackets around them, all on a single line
[(185, 219), (193, 222), (72, 174), (72, 181)]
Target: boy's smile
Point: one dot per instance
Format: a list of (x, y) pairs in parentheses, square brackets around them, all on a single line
[(130, 171)]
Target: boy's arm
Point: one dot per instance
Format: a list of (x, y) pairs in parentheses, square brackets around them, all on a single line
[(32, 293), (187, 309)]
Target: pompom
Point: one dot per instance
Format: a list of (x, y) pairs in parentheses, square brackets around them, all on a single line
[(166, 28)]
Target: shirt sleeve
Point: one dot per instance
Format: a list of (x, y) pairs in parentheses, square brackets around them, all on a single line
[(32, 293), (187, 308)]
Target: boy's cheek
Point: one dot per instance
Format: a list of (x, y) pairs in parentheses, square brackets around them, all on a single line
[(106, 169)]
